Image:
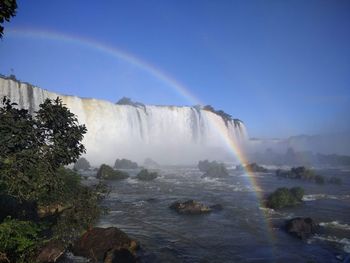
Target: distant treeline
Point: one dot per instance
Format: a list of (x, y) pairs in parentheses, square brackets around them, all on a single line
[(293, 158)]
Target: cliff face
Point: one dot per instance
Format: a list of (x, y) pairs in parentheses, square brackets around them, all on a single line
[(168, 134)]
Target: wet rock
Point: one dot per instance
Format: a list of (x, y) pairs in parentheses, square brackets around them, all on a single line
[(122, 255), (190, 207), (51, 252), (212, 169), (108, 173), (95, 243), (301, 227), (145, 175)]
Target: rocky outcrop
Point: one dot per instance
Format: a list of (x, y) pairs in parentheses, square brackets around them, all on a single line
[(107, 172), (119, 256), (212, 169), (125, 164), (190, 207), (145, 175), (97, 244), (301, 228), (51, 252), (82, 164), (252, 167)]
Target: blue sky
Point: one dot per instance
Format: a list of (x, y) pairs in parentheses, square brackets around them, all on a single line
[(283, 67)]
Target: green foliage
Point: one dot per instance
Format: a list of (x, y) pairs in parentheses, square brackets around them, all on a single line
[(225, 116), (68, 183), (32, 149), (18, 239), (82, 214), (107, 172), (82, 164), (145, 175), (125, 164), (7, 10), (297, 192), (284, 197)]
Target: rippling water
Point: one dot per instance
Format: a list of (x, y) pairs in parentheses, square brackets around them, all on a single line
[(242, 232)]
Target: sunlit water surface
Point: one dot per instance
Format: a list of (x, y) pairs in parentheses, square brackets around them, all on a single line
[(242, 232)]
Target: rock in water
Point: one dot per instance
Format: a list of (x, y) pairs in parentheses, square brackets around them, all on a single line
[(108, 173), (145, 175), (190, 207), (301, 227), (119, 256), (95, 243), (51, 252)]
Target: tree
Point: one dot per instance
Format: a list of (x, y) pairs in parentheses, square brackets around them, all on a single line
[(7, 10), (32, 149)]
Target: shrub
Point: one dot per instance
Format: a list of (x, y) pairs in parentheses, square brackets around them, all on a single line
[(33, 148), (297, 192), (284, 197), (18, 239), (83, 213)]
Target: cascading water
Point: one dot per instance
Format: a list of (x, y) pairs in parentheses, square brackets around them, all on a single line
[(167, 134)]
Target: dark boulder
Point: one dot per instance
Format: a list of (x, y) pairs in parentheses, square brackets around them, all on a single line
[(212, 169), (51, 252), (190, 207), (122, 255), (301, 228), (95, 243), (125, 164), (82, 164), (108, 173), (145, 175)]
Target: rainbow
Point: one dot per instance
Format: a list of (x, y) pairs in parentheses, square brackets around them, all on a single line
[(156, 73)]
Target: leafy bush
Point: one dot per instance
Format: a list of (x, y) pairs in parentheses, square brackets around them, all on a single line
[(82, 214), (145, 175), (284, 197), (107, 172), (33, 148), (19, 239)]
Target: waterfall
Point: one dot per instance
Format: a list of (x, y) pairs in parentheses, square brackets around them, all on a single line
[(167, 134)]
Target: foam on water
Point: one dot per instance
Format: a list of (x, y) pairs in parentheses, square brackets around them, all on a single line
[(314, 197), (343, 243), (335, 224)]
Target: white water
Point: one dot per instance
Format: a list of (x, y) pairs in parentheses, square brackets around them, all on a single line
[(167, 134)]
